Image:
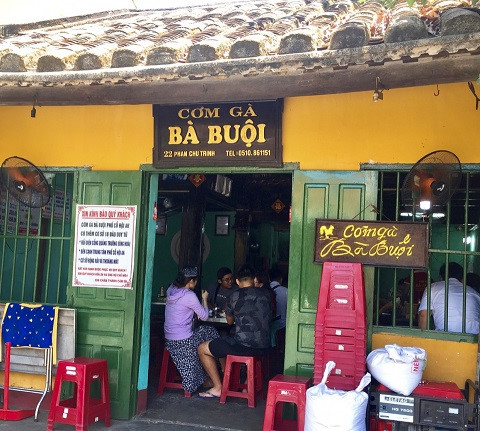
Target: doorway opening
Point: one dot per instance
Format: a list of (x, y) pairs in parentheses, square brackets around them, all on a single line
[(213, 221)]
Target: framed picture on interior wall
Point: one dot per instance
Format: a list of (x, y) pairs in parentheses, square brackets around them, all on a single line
[(161, 225), (222, 225)]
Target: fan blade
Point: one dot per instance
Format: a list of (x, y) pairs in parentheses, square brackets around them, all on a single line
[(28, 178), (15, 174)]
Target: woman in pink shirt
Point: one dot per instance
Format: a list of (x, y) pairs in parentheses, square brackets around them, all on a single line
[(181, 340)]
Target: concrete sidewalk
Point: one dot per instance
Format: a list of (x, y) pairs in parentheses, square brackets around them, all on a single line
[(169, 412)]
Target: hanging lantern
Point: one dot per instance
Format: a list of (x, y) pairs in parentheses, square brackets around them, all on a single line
[(278, 206), (197, 179)]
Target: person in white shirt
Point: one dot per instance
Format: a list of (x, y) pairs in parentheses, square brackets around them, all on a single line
[(276, 278), (455, 303), (278, 325)]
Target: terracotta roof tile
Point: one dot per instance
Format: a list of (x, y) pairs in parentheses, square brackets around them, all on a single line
[(242, 30)]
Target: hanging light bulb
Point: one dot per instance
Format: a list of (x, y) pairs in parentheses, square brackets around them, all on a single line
[(378, 92), (33, 112), (425, 205)]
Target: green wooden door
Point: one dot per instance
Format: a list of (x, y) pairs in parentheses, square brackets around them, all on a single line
[(319, 194), (106, 316)]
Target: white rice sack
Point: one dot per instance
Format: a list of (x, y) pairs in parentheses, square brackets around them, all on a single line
[(398, 368), (328, 409)]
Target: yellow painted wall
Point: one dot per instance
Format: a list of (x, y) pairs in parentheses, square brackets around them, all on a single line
[(446, 360), (104, 137), (347, 129), (321, 132)]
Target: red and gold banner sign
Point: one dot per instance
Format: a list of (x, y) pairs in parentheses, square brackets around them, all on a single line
[(197, 179)]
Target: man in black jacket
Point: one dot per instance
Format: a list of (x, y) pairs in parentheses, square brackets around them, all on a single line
[(250, 309)]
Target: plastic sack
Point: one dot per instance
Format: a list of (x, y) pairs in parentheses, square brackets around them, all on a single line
[(398, 368), (330, 409)]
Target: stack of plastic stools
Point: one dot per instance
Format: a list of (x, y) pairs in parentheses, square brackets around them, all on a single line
[(285, 389), (232, 387), (340, 326), (169, 375), (80, 410)]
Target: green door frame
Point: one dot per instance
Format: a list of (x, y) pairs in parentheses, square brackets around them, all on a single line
[(142, 353), (146, 237)]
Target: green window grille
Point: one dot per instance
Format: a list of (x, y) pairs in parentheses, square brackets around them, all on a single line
[(35, 245), (453, 238)]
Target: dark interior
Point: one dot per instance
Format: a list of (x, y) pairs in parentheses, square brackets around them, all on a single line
[(250, 195)]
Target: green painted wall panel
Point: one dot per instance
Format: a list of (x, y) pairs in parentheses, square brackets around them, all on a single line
[(221, 248), (93, 192), (164, 267), (220, 251), (106, 318), (114, 357), (318, 195), (104, 322)]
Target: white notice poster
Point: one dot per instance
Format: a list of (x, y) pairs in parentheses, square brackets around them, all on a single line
[(104, 245)]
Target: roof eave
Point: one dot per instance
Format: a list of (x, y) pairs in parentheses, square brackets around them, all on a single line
[(412, 63)]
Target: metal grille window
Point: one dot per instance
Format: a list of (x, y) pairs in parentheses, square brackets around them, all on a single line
[(453, 238), (35, 245)]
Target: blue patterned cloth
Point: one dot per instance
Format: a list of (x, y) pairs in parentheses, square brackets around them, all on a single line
[(26, 326)]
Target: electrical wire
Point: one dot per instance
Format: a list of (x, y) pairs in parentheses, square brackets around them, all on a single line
[(472, 89)]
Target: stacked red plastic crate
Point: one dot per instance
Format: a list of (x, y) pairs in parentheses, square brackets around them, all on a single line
[(340, 326)]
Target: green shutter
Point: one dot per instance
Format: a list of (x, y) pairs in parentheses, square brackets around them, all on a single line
[(106, 317), (319, 194)]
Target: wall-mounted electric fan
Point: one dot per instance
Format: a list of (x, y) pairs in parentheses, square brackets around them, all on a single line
[(25, 182), (432, 181)]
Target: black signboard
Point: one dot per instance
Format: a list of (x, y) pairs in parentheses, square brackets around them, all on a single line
[(218, 134), (378, 243)]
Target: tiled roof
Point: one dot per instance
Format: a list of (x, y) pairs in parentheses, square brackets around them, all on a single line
[(136, 45)]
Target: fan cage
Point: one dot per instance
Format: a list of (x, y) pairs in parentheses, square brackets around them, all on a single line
[(25, 182), (432, 181)]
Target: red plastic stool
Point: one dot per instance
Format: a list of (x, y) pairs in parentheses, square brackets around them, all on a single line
[(285, 389), (81, 409), (156, 347), (231, 378), (169, 375), (6, 413)]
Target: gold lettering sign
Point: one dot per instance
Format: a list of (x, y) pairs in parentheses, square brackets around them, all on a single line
[(222, 134), (393, 244)]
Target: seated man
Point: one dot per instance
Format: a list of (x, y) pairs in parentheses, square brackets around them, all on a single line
[(455, 303), (249, 309), (402, 306), (262, 281), (219, 293)]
